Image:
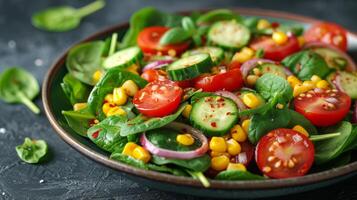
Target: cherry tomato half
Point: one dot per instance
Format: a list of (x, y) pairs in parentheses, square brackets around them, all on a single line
[(323, 107), (152, 75), (158, 98), (329, 33), (246, 155), (230, 80), (284, 153), (274, 51), (149, 38)]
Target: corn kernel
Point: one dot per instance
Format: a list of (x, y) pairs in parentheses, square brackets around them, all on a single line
[(172, 52), (185, 139), (130, 87), (301, 41), (79, 106), (322, 84), (236, 166), (129, 148), (245, 125), (238, 133), (187, 111), (279, 37), (298, 89), (315, 79), (108, 98), (263, 24), (241, 57), (309, 84), (280, 106), (219, 163), (97, 75), (252, 79), (133, 69), (107, 106), (233, 147), (257, 71), (119, 96), (215, 154), (301, 130), (293, 81), (115, 111), (248, 51), (251, 100), (141, 154), (218, 144)]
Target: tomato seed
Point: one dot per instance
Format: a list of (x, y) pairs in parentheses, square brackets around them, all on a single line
[(266, 169), (277, 164)]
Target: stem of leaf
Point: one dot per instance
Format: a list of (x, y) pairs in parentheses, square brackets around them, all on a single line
[(324, 136), (29, 103), (201, 177), (113, 44), (90, 8)]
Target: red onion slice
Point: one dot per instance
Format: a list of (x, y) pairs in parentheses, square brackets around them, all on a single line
[(354, 114), (250, 64), (177, 154), (234, 97), (157, 64), (337, 82)]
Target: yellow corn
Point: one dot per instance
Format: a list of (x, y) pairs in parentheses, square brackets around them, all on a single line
[(233, 147), (252, 79), (248, 51), (133, 69), (108, 98), (172, 52), (141, 154), (129, 148), (107, 106), (130, 87), (301, 130), (115, 111), (322, 84), (119, 96), (236, 166), (241, 57), (263, 24), (301, 40), (298, 89), (187, 111), (218, 144), (280, 37), (251, 100), (219, 163), (315, 79), (215, 154), (245, 125), (185, 139), (97, 75), (293, 81), (309, 84), (238, 133), (257, 71), (280, 106), (79, 106)]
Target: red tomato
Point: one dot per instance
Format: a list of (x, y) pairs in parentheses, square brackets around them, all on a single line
[(246, 155), (329, 33), (230, 80), (234, 65), (148, 41), (274, 51), (284, 153), (158, 98), (323, 108), (185, 83), (153, 75)]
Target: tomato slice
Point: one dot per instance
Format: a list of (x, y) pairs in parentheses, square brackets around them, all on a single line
[(323, 107), (153, 75), (229, 80), (246, 155), (158, 98), (284, 153), (149, 38), (329, 33), (274, 51)]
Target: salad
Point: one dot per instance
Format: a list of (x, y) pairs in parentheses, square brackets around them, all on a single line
[(216, 96)]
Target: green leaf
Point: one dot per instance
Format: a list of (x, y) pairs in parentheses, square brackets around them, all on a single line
[(199, 164), (237, 175), (298, 119), (321, 137), (295, 29), (79, 121), (75, 90), (32, 151), (188, 25), (174, 36), (218, 15)]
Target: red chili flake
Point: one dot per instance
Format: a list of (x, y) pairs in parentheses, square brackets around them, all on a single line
[(228, 113), (95, 134), (220, 99), (214, 124)]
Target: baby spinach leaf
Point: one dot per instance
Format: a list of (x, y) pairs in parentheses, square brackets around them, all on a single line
[(218, 15), (32, 151), (79, 121), (295, 29), (75, 90), (85, 59), (170, 170), (237, 175), (188, 25), (298, 119), (174, 36), (306, 64), (353, 142), (322, 137), (199, 176), (19, 86), (63, 18), (199, 164)]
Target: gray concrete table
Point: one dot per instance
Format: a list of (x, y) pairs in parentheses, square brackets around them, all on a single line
[(70, 175)]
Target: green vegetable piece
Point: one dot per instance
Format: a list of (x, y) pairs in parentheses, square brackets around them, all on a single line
[(32, 151), (84, 60), (79, 121), (299, 119), (201, 177), (218, 15), (237, 175), (19, 86), (321, 137), (174, 36), (188, 25), (64, 18), (295, 29), (75, 90), (113, 44), (199, 164)]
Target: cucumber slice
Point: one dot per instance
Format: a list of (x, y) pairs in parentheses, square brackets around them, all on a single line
[(272, 68), (123, 58), (333, 59), (214, 115), (189, 67), (217, 54), (229, 35), (348, 83)]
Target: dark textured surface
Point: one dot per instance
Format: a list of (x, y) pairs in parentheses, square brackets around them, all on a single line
[(69, 175)]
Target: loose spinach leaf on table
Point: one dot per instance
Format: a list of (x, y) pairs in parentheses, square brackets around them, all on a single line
[(75, 90), (32, 151), (63, 18), (84, 60), (199, 164), (79, 121), (236, 175), (218, 15), (19, 86)]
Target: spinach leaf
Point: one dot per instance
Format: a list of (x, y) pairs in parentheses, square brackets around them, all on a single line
[(339, 161), (63, 18), (199, 164), (32, 151), (75, 90), (353, 142), (141, 124), (19, 86), (170, 170), (236, 175), (295, 29), (84, 60), (174, 36), (113, 78), (298, 119), (306, 64), (218, 15), (79, 121), (199, 176)]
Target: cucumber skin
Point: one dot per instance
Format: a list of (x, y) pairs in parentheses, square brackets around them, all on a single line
[(218, 58), (345, 89), (209, 132), (136, 60)]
